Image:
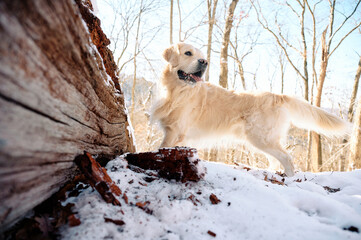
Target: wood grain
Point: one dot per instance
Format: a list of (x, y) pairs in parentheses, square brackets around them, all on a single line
[(56, 101)]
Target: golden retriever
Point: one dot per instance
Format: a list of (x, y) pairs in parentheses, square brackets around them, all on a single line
[(194, 109)]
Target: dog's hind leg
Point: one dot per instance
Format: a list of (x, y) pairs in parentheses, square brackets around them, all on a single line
[(274, 164), (276, 151), (284, 158)]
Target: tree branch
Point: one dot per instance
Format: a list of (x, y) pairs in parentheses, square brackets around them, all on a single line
[(265, 26), (346, 19), (353, 29)]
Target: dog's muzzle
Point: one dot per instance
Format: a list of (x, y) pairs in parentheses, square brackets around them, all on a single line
[(195, 76)]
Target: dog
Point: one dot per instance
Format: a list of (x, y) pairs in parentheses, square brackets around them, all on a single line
[(193, 109)]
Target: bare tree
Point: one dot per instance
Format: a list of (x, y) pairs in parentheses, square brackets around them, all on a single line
[(240, 53), (299, 8), (285, 44), (192, 26), (212, 6), (211, 10), (223, 76), (327, 51), (126, 17), (355, 142), (313, 165), (136, 47), (313, 63), (288, 48)]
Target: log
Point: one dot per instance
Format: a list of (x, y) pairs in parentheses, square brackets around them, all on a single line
[(56, 100), (178, 163)]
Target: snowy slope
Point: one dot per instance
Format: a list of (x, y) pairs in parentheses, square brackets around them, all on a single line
[(251, 206)]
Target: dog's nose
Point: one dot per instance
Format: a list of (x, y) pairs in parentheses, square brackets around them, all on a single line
[(203, 62)]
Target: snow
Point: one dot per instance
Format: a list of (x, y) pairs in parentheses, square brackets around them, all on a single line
[(251, 207)]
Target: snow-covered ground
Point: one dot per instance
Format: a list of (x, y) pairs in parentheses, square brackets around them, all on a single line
[(255, 204)]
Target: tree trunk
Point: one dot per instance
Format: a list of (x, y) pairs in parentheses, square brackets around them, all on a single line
[(223, 76), (211, 21), (171, 23), (316, 147), (326, 54), (282, 66), (350, 111), (304, 54), (354, 92), (316, 153), (241, 74), (136, 46), (56, 100), (213, 155), (180, 22), (354, 159)]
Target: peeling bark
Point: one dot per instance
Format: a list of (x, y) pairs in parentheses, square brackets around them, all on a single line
[(98, 178)]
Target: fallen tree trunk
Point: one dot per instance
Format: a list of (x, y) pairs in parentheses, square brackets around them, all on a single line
[(56, 100)]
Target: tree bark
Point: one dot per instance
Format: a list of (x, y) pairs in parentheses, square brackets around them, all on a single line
[(354, 92), (56, 100), (316, 147), (354, 159), (241, 74), (98, 178), (314, 74), (171, 23), (180, 22), (304, 53), (223, 76), (282, 68)]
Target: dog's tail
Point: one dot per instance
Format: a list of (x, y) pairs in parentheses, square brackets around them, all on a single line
[(304, 115)]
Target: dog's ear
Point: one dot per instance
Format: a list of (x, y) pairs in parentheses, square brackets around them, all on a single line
[(171, 55)]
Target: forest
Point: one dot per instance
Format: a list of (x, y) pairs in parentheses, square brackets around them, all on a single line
[(80, 154), (308, 49)]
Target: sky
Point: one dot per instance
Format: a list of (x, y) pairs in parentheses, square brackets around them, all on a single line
[(262, 64)]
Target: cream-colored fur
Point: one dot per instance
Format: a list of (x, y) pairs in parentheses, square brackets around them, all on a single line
[(196, 110)]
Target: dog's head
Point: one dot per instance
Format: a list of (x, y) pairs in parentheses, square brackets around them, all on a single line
[(186, 61)]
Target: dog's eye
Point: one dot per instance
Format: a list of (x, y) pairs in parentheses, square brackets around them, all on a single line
[(188, 53)]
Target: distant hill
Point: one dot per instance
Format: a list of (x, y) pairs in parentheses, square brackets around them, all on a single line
[(143, 89)]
